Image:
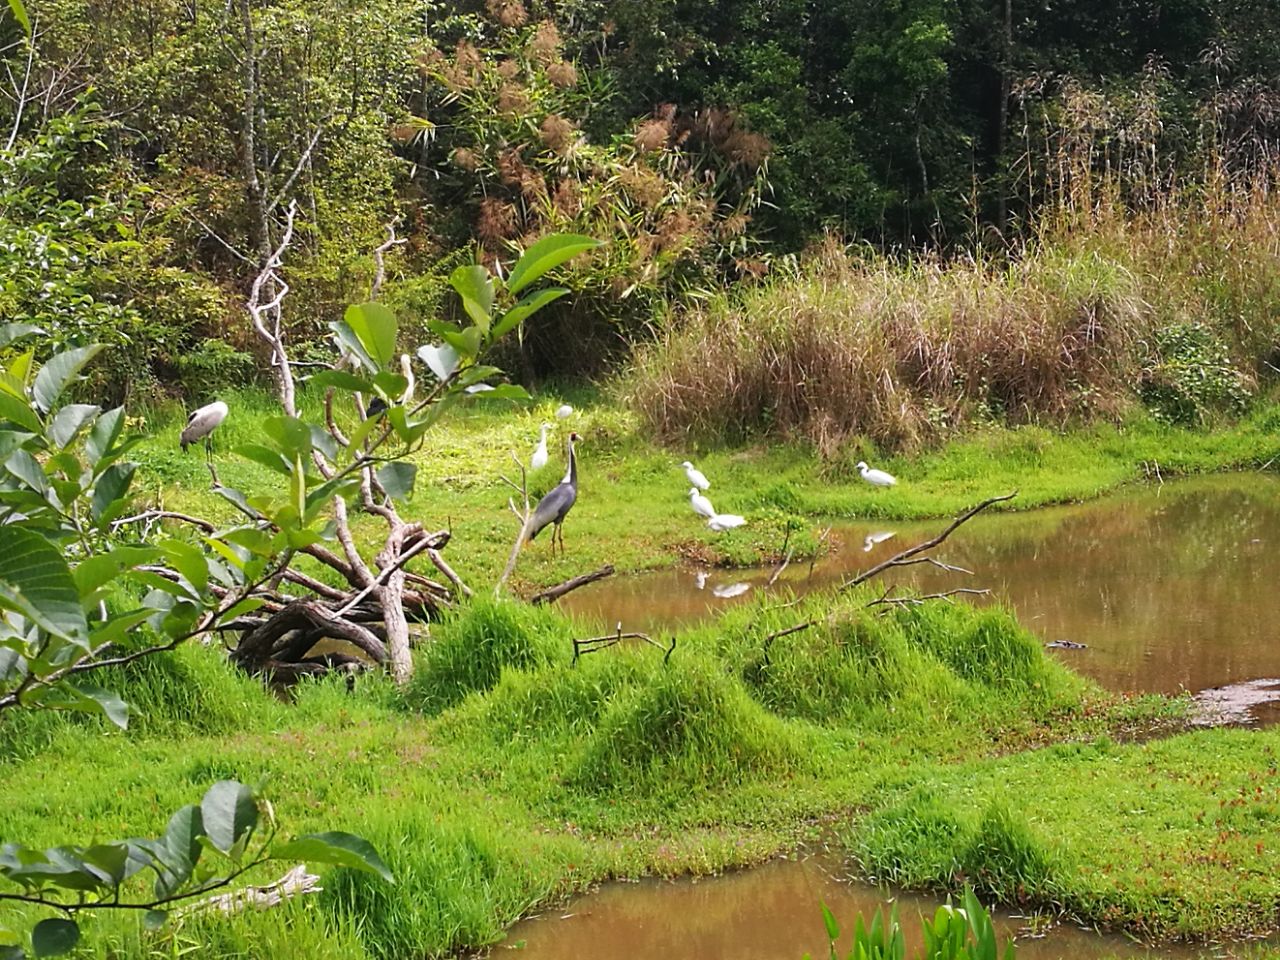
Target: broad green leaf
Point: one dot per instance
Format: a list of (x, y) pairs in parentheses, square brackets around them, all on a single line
[(271, 459), (341, 380), (375, 327), (397, 479), (361, 434), (10, 441), (349, 343), (475, 374), (238, 499), (36, 582), (85, 698), (291, 435), (443, 360), (298, 487), (101, 568), (337, 848), (178, 850), (323, 441), (53, 936), (10, 332), (20, 366), (104, 435), (506, 391), (59, 371), (110, 858), (320, 497), (115, 629), (526, 308), (18, 412), (391, 385), (475, 287), (13, 386), (228, 811), (111, 489), (833, 928), (154, 919), (467, 343), (69, 420), (547, 254), (189, 561), (27, 469)]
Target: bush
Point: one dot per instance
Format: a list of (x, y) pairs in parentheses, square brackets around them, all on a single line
[(1190, 376)]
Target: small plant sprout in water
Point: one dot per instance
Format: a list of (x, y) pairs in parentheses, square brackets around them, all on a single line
[(954, 933)]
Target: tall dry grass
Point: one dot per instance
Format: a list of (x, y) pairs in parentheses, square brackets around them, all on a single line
[(1078, 319)]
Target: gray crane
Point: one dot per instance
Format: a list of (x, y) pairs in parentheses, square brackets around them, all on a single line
[(201, 424), (555, 506)]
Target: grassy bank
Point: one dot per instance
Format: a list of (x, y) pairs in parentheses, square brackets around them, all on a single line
[(633, 507), (506, 777)]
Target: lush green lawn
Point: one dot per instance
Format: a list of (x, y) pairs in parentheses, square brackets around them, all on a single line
[(633, 508), (505, 776)]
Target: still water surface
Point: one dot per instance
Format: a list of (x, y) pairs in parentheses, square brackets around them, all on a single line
[(1171, 588), (771, 912)]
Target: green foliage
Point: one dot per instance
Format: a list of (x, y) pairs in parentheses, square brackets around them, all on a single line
[(954, 933), (1191, 377)]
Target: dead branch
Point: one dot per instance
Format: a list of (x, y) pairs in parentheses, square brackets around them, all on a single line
[(295, 883), (782, 566), (552, 594), (434, 556), (917, 600), (380, 266), (523, 490), (269, 279), (272, 637), (900, 559), (149, 515), (594, 644)]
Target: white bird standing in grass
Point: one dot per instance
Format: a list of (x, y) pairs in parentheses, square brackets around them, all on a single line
[(696, 476), (539, 458), (877, 478), (201, 424), (725, 521), (701, 505), (564, 412)]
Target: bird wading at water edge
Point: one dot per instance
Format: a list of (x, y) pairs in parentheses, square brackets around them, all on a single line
[(555, 506)]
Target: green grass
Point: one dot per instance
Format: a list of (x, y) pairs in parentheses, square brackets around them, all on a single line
[(529, 778), (633, 507), (1173, 837)]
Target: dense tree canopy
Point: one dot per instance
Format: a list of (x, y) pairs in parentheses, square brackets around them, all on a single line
[(159, 141)]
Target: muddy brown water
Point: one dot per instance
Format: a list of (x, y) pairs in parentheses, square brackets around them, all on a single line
[(772, 912), (1170, 587)]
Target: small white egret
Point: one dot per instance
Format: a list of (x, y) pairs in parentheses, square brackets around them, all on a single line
[(201, 424), (696, 476), (877, 478), (539, 458), (406, 371), (564, 412), (871, 539), (700, 579), (725, 591), (725, 521), (701, 505)]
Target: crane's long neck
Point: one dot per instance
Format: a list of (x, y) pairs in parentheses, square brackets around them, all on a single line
[(571, 475)]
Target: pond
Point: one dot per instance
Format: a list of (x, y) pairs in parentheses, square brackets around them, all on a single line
[(771, 912), (1169, 588)]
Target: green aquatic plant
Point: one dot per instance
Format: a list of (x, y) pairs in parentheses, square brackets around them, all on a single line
[(954, 933)]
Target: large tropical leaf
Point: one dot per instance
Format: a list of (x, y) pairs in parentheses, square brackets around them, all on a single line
[(60, 370), (547, 254), (526, 308), (375, 327), (229, 811), (475, 287), (36, 582), (335, 847)]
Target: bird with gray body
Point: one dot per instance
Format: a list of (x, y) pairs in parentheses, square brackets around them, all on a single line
[(877, 478), (696, 476), (201, 424), (701, 505), (539, 458), (555, 506)]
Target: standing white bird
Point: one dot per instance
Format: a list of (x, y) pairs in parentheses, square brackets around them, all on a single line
[(406, 371), (564, 412), (877, 478), (539, 458), (700, 579), (871, 539), (201, 424), (696, 476), (701, 505), (725, 521)]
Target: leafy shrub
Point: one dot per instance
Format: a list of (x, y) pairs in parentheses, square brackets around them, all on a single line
[(1190, 376)]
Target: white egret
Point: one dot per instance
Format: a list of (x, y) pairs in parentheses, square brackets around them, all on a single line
[(696, 476), (725, 591), (539, 458), (725, 521), (877, 478), (701, 505), (564, 412), (700, 579), (201, 424), (871, 539), (406, 371)]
